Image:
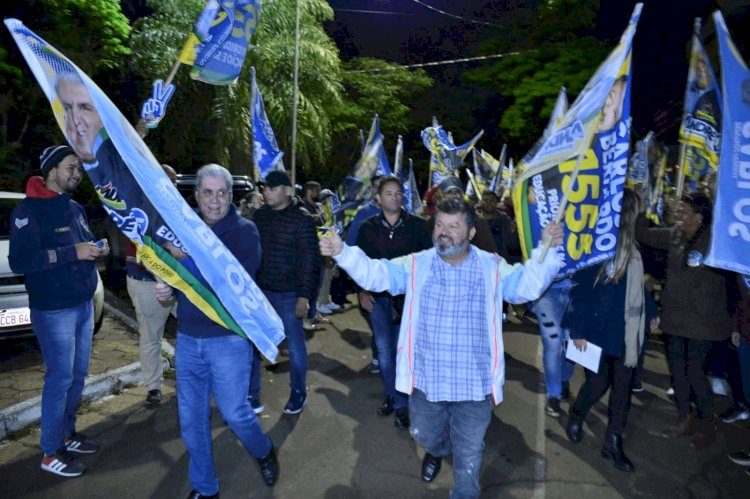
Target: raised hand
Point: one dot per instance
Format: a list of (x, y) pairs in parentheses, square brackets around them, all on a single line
[(155, 107)]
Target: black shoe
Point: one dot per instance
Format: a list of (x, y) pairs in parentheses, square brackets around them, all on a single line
[(565, 390), (430, 467), (613, 450), (153, 398), (637, 387), (553, 407), (401, 419), (574, 429), (387, 408), (196, 495), (269, 468)]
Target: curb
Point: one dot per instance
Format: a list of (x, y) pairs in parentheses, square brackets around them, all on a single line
[(29, 412)]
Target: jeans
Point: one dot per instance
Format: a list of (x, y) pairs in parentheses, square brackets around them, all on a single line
[(549, 310), (65, 339), (687, 359), (283, 303), (385, 334), (218, 366), (442, 428), (612, 376)]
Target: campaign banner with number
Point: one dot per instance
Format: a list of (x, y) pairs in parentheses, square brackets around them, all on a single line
[(730, 232), (142, 201), (591, 216)]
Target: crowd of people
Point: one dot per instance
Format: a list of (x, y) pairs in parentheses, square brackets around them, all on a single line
[(433, 288)]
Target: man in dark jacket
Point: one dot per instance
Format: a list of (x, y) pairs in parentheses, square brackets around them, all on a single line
[(51, 243), (288, 275), (390, 234), (211, 359)]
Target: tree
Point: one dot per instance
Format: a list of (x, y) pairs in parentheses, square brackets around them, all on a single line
[(214, 121), (556, 49), (92, 33)]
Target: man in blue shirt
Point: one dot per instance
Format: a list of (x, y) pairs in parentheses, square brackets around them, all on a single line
[(211, 359)]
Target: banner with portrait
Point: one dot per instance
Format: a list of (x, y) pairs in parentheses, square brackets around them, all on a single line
[(143, 202)]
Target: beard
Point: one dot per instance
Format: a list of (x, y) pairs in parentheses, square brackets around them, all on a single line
[(451, 249)]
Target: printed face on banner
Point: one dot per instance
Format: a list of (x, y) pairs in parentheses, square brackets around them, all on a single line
[(82, 121)]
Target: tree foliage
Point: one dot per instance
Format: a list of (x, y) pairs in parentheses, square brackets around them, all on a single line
[(555, 51), (92, 33), (212, 123)]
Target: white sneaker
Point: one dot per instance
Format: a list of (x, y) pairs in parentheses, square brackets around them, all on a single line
[(333, 306), (325, 310), (719, 386)]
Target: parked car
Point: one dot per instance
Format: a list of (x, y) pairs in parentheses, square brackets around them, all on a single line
[(14, 300)]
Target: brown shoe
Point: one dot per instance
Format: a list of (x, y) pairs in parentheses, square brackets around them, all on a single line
[(704, 435), (683, 427)]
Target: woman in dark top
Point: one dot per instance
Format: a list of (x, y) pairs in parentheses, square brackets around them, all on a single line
[(609, 307), (695, 312)]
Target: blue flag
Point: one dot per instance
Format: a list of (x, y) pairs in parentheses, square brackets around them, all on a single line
[(412, 200), (217, 47), (266, 154), (383, 167), (446, 157), (730, 232), (143, 203)]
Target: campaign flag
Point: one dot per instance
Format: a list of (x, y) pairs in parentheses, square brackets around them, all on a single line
[(730, 231), (638, 168), (143, 203), (700, 131), (361, 141), (266, 153), (348, 198), (594, 135), (368, 164), (383, 167), (571, 136), (484, 172), (555, 119), (412, 200), (496, 164), (655, 198), (398, 160), (446, 158), (217, 46)]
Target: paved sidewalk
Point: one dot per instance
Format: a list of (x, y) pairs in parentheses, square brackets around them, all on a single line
[(114, 364)]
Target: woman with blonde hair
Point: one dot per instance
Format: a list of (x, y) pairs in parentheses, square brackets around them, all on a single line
[(610, 307)]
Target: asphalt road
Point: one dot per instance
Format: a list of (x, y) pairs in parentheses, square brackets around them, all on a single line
[(339, 448)]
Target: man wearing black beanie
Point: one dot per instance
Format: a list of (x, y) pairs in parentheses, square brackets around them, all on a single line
[(52, 245)]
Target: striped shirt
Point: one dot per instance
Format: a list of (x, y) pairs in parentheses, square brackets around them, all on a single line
[(452, 355)]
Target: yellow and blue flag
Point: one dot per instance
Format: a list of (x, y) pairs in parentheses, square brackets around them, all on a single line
[(146, 206), (593, 135), (700, 131), (446, 158), (217, 47)]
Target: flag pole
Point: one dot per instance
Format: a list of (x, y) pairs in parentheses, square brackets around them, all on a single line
[(563, 202), (294, 97)]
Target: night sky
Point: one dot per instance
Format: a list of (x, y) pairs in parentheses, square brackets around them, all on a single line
[(660, 56)]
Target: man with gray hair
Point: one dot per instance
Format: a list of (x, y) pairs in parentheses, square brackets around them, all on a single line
[(211, 359), (450, 357)]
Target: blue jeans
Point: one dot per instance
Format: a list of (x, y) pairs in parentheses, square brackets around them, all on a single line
[(65, 339), (218, 366), (442, 428), (385, 334), (283, 303), (549, 310)]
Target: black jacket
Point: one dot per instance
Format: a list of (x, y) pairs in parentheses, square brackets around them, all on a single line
[(45, 227), (290, 259), (380, 240)]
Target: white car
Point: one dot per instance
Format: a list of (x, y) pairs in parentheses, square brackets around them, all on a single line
[(14, 300)]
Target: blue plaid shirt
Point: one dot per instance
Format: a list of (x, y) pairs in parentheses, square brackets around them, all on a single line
[(452, 355)]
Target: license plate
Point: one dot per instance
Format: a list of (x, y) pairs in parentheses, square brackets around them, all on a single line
[(14, 317)]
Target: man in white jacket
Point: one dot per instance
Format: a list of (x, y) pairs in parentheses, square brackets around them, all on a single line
[(450, 356)]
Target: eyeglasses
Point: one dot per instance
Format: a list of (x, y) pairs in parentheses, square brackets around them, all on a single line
[(221, 194)]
